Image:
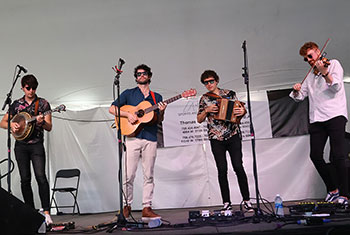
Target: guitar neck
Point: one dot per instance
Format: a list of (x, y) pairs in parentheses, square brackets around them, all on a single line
[(168, 101)]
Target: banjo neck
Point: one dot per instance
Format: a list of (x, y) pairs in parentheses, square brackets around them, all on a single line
[(43, 114)]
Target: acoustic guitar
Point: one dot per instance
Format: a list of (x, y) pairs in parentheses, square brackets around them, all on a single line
[(26, 122), (145, 113)]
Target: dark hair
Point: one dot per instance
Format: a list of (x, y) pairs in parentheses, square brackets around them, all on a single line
[(307, 46), (209, 74), (29, 80), (144, 67)]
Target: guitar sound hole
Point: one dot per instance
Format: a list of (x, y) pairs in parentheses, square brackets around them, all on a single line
[(140, 113)]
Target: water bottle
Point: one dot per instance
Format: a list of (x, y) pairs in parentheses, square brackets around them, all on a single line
[(279, 206), (154, 223), (42, 228)]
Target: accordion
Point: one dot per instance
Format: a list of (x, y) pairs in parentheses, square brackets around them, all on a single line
[(225, 112)]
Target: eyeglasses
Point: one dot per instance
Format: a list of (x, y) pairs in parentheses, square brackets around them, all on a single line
[(308, 56), (28, 88), (138, 74), (209, 81)]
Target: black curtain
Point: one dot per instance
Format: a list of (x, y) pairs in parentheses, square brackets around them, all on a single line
[(288, 118)]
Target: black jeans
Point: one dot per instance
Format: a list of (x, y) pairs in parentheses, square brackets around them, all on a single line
[(319, 133), (234, 147), (35, 153)]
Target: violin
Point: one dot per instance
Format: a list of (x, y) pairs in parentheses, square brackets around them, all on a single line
[(321, 57), (325, 61)]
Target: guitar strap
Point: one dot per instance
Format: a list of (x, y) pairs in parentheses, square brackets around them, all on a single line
[(213, 95), (36, 107), (155, 102), (153, 96)]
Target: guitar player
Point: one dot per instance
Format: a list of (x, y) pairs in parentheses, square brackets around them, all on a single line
[(144, 144), (224, 136), (31, 149)]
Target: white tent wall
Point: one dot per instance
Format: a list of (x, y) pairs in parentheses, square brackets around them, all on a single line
[(71, 46)]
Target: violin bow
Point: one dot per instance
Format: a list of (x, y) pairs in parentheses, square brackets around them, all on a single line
[(319, 56)]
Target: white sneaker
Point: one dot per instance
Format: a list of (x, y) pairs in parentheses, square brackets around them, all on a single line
[(48, 219), (342, 200), (332, 197), (227, 206), (248, 206)]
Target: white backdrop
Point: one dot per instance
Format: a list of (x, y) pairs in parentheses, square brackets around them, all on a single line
[(184, 176), (71, 47)]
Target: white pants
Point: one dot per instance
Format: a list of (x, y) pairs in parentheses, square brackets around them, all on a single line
[(145, 150)]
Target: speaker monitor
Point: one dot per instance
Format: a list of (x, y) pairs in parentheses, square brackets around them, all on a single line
[(17, 217)]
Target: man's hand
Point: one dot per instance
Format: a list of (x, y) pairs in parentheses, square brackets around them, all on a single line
[(132, 118), (212, 109), (39, 119), (238, 111), (162, 106), (14, 127)]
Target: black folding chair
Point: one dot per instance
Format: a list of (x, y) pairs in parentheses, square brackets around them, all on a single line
[(70, 179)]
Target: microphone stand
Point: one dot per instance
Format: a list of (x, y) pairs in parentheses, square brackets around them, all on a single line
[(121, 221), (245, 75), (8, 101)]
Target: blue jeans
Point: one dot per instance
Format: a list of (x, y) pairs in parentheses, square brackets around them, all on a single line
[(35, 153)]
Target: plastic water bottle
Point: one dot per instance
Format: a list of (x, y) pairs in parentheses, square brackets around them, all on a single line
[(42, 228), (279, 206), (154, 223)]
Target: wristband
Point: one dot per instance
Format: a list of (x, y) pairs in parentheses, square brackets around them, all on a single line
[(325, 75)]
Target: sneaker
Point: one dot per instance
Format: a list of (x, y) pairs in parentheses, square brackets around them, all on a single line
[(126, 211), (48, 219), (248, 206), (227, 206), (331, 197), (342, 200), (148, 214)]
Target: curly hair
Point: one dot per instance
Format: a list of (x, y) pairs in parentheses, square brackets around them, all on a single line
[(209, 74), (144, 67)]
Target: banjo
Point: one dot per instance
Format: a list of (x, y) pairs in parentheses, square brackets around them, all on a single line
[(26, 122)]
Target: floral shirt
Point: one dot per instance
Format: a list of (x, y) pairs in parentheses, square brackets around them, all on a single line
[(21, 105), (218, 129)]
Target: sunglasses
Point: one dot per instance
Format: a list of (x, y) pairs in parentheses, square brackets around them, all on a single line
[(209, 81), (138, 74), (28, 88), (308, 56)]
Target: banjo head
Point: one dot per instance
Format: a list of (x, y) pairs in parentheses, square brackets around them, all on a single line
[(25, 126)]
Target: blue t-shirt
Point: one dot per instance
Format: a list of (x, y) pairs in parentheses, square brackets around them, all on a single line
[(133, 97)]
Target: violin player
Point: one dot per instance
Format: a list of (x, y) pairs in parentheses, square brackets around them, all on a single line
[(328, 116)]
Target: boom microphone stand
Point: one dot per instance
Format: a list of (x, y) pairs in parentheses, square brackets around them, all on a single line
[(8, 102), (245, 75)]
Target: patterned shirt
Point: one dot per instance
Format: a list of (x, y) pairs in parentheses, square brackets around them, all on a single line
[(217, 129), (21, 105)]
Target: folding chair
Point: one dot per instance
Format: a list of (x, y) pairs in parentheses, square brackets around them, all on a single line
[(65, 177)]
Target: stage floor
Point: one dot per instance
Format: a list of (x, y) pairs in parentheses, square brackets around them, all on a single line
[(175, 221)]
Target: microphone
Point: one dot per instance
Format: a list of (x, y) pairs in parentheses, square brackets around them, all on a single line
[(121, 62), (21, 68), (119, 71)]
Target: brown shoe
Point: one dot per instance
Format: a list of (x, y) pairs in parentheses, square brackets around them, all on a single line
[(126, 211), (148, 214)]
